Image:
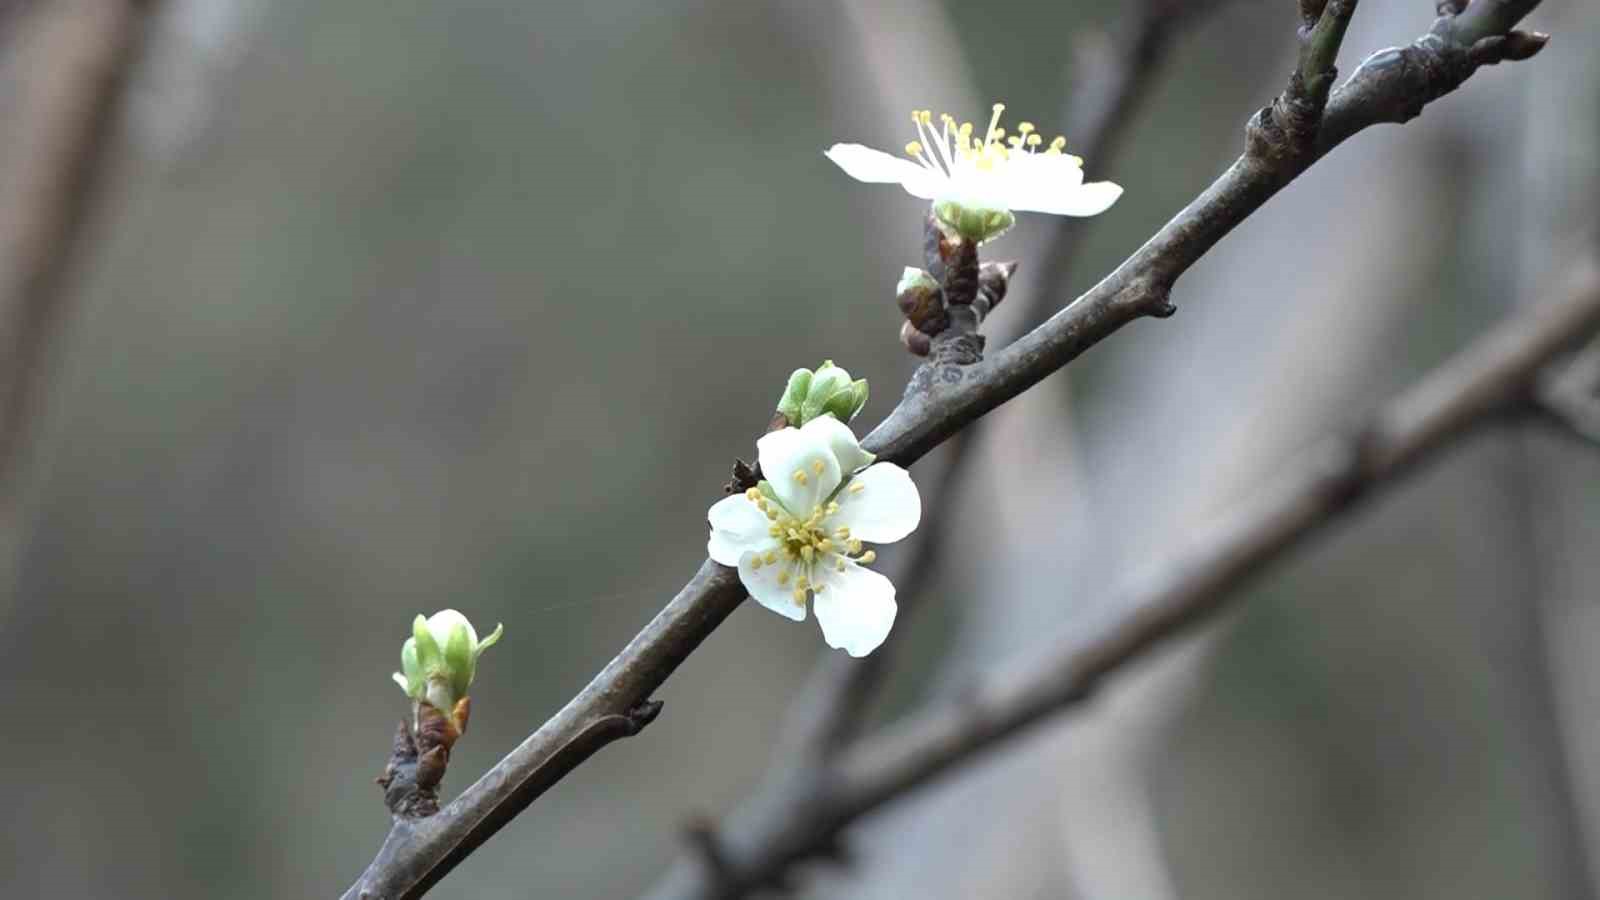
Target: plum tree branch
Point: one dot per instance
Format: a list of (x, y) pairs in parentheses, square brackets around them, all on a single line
[(1488, 379), (943, 397), (1112, 79)]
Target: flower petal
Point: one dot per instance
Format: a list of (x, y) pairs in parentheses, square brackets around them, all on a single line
[(877, 167), (1081, 200), (856, 608), (801, 468), (841, 440), (444, 622), (873, 166), (763, 586), (881, 505), (737, 526)]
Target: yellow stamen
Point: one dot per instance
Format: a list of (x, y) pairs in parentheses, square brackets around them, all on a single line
[(914, 149), (839, 566), (800, 476), (799, 597), (868, 557), (819, 467), (1025, 127), (857, 488), (771, 557), (783, 578), (753, 495)]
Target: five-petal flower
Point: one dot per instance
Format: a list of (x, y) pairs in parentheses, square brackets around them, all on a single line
[(975, 184), (801, 533)]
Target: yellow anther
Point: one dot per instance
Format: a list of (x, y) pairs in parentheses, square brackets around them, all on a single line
[(774, 531), (771, 557), (998, 108), (833, 508), (753, 495), (1015, 140), (914, 149), (965, 130), (783, 578), (854, 546), (842, 533), (799, 597), (771, 514), (1034, 140), (1025, 127), (824, 546), (801, 582), (839, 566), (817, 588), (819, 467), (868, 557), (807, 553), (755, 564), (857, 488), (800, 476), (1058, 143), (947, 119)]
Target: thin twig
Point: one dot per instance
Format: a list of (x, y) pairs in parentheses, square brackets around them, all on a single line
[(1191, 585), (84, 54), (944, 397)]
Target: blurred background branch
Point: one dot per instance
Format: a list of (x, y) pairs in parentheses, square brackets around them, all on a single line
[(80, 58)]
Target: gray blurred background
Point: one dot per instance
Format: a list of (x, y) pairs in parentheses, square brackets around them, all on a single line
[(390, 307)]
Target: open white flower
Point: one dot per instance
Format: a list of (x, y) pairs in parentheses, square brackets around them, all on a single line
[(975, 184), (801, 533)]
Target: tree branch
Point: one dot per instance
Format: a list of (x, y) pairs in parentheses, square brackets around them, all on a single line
[(1112, 79), (1193, 583), (943, 397)]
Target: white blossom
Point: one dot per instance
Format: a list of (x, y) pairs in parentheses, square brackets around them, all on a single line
[(975, 184), (801, 534)]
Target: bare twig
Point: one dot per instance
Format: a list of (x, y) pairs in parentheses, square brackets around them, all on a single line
[(944, 396), (1189, 586), (84, 55)]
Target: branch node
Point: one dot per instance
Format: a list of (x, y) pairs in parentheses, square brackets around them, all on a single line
[(643, 714)]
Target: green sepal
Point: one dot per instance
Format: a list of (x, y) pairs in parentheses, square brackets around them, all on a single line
[(459, 661), (430, 658), (976, 224), (486, 643), (794, 394)]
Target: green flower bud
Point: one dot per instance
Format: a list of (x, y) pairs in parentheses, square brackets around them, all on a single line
[(827, 391), (974, 223), (440, 659)]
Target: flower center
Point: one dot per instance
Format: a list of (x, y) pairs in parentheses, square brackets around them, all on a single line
[(953, 147), (805, 545)]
